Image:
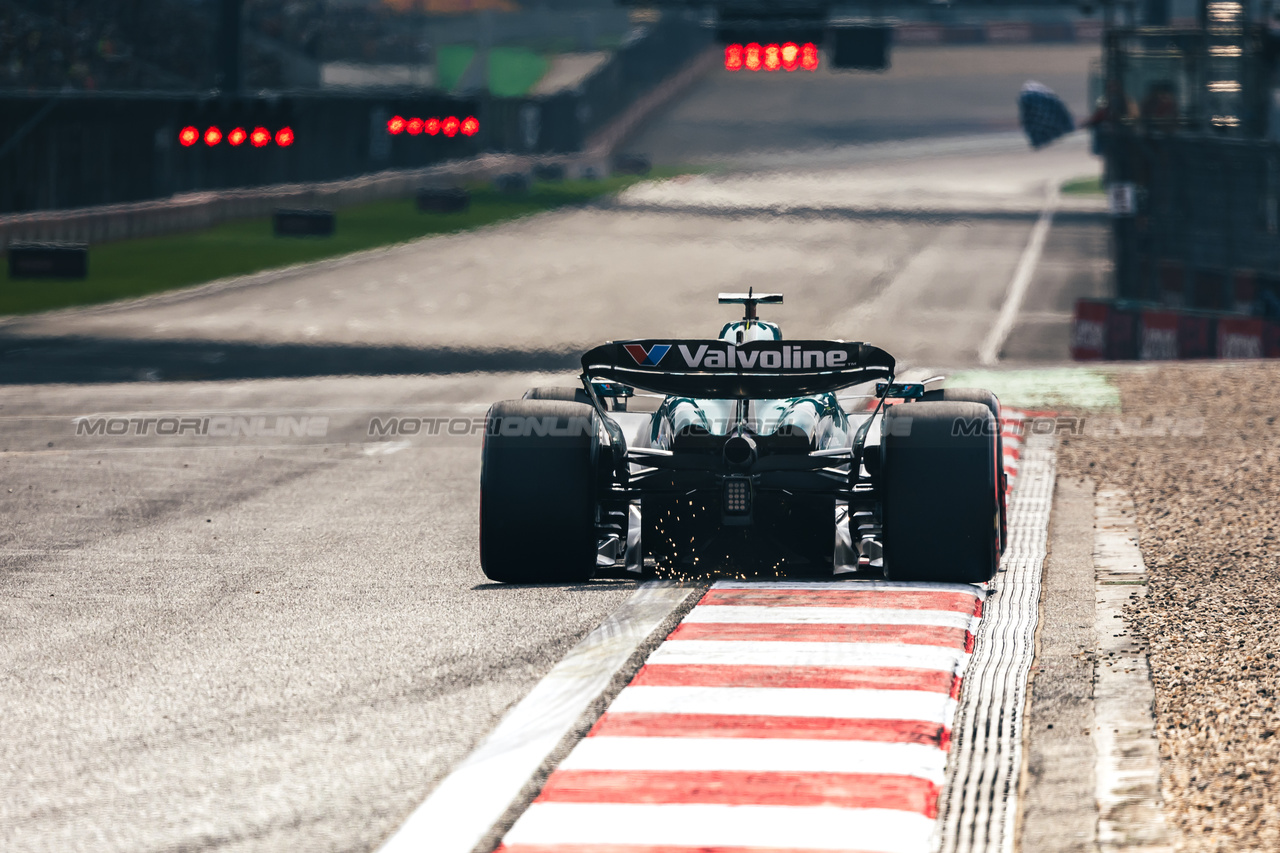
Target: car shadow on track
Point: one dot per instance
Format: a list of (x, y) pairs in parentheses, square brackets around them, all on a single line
[(32, 360)]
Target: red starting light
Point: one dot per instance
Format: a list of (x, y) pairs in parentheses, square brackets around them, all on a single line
[(396, 125), (284, 137), (212, 136), (790, 54), (188, 136), (450, 126), (470, 126), (432, 126), (772, 57), (733, 57), (260, 137), (809, 56), (752, 57), (414, 126), (237, 136)]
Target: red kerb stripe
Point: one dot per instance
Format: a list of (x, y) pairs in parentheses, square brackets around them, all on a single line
[(742, 788), (888, 599), (637, 724), (847, 678), (919, 635)]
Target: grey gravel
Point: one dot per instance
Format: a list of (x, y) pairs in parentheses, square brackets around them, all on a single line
[(1206, 518)]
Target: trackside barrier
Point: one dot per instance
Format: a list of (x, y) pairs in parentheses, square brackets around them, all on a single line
[(1242, 337), (1104, 330), (1157, 335), (67, 151), (1116, 330)]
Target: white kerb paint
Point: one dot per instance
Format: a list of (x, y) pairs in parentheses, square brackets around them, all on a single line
[(911, 705), (689, 825), (757, 755), (774, 615), (782, 653)]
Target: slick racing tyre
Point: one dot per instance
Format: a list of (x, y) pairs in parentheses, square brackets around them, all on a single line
[(940, 505), (986, 398), (551, 392), (537, 492)]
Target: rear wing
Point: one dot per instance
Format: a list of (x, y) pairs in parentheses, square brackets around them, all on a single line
[(755, 370)]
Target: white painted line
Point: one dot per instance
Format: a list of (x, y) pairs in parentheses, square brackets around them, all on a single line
[(989, 353), (782, 827), (768, 615), (772, 755), (768, 653), (788, 702), (1127, 769), (469, 801)]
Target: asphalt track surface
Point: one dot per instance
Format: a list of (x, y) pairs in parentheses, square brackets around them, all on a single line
[(268, 643)]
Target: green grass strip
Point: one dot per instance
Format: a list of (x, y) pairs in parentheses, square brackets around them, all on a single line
[(133, 268), (451, 63), (513, 71), (1083, 186), (1048, 389)]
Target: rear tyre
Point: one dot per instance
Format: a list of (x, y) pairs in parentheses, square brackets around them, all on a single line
[(537, 492), (941, 510), (986, 398), (550, 392)]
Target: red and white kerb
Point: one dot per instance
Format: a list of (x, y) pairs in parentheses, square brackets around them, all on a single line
[(776, 717)]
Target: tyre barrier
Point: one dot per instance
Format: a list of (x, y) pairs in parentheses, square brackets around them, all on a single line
[(303, 223), (512, 183), (548, 172), (631, 164), (48, 260), (443, 200), (1117, 330)]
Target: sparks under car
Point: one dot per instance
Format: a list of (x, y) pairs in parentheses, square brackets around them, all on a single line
[(751, 460)]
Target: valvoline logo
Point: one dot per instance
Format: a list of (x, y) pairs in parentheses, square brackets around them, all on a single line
[(650, 357)]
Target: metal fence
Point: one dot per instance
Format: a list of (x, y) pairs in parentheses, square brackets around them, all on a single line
[(1206, 229), (76, 150)]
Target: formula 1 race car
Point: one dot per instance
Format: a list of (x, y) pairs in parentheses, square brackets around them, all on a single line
[(747, 462)]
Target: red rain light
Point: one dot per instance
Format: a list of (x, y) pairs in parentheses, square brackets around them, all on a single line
[(212, 136), (237, 136), (432, 126), (414, 126), (772, 57), (733, 57), (396, 125), (450, 126), (260, 137), (790, 54), (470, 126), (751, 58), (188, 136), (284, 137), (809, 57)]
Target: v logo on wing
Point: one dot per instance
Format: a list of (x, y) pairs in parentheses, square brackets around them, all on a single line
[(649, 357)]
